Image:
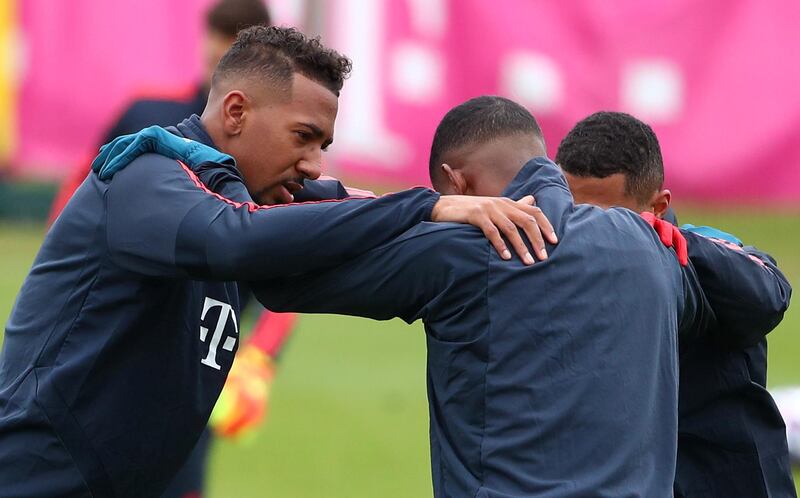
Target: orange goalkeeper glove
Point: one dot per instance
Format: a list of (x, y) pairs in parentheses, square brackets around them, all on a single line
[(244, 400)]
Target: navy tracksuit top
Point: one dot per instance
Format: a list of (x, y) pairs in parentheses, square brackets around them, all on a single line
[(124, 331), (731, 436), (554, 380)]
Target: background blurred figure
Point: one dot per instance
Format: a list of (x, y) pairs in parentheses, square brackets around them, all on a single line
[(243, 404), (223, 20), (787, 399)]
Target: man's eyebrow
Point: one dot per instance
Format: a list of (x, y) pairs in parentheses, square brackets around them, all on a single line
[(315, 130), (318, 133)]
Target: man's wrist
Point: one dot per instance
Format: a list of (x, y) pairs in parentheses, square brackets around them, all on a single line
[(430, 205)]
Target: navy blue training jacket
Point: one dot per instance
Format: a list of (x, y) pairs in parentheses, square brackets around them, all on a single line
[(554, 380), (124, 331), (731, 436)]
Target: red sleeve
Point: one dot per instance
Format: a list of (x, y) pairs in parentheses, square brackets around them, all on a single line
[(271, 331), (67, 188)]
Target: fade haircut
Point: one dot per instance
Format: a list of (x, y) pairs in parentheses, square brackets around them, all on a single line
[(273, 54), (608, 143), (476, 121), (228, 17)]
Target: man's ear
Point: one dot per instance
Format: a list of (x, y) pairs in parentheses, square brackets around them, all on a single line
[(234, 105), (660, 202), (456, 183)]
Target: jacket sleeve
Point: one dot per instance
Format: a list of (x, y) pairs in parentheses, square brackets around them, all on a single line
[(697, 318), (406, 278), (162, 221), (744, 287), (326, 188)]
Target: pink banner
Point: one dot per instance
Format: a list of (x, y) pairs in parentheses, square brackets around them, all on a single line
[(84, 59), (717, 80)]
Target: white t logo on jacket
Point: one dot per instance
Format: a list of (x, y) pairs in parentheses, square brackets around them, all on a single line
[(230, 341)]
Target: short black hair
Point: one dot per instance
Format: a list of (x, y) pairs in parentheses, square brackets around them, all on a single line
[(476, 121), (276, 53), (228, 17), (607, 143)]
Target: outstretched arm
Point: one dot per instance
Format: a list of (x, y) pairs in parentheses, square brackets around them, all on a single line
[(496, 218), (738, 295), (745, 288), (162, 221), (403, 278)]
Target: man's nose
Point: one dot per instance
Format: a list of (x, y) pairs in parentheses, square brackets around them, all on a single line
[(310, 170)]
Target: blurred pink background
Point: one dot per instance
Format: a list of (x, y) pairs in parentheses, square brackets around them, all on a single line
[(717, 79)]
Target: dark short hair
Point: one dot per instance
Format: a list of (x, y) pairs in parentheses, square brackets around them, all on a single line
[(607, 143), (228, 17), (476, 121), (274, 54)]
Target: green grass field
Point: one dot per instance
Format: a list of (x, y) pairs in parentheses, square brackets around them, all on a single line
[(349, 416)]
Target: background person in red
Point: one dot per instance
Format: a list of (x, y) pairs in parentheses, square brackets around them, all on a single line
[(244, 401)]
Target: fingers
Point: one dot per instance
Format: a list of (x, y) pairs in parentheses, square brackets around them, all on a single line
[(508, 227), (545, 228), (531, 227), (680, 246), (649, 218), (520, 215), (665, 232), (500, 220), (662, 228), (491, 232), (670, 236), (528, 200)]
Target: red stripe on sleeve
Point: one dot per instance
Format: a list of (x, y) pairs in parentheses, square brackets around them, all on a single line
[(251, 206)]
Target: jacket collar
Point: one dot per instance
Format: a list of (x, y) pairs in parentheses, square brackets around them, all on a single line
[(537, 173), (211, 174), (193, 129)]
